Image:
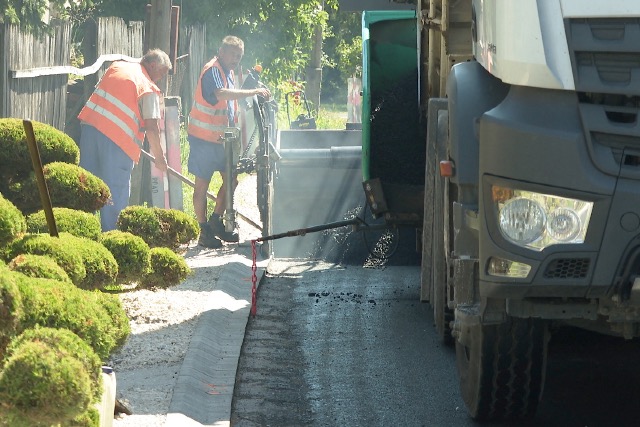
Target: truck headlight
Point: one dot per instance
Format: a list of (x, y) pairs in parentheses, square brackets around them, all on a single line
[(536, 220)]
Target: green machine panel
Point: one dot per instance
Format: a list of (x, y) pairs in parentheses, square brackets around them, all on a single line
[(393, 145)]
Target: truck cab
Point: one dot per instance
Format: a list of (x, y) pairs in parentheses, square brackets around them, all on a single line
[(529, 212)]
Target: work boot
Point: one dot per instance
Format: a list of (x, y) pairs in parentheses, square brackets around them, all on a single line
[(215, 222), (208, 238)]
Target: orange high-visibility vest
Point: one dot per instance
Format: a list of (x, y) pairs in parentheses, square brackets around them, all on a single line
[(206, 121), (114, 109)]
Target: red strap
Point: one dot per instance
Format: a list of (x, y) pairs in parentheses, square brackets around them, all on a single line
[(254, 280)]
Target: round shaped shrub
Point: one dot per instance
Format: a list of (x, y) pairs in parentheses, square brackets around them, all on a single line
[(54, 304), (61, 250), (11, 308), (119, 327), (40, 385), (65, 342), (39, 266), (100, 266), (70, 186), (167, 269), (130, 252), (90, 418), (183, 228), (167, 228), (53, 146), (72, 221), (12, 222), (142, 221)]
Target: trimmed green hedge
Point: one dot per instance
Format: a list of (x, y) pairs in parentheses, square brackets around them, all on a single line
[(15, 160), (100, 265), (50, 376), (11, 308), (96, 317), (72, 221), (167, 269), (88, 263), (158, 227), (131, 253), (39, 266), (64, 253), (70, 186), (12, 222)]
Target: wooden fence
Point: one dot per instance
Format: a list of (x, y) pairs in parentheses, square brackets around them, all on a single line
[(36, 73), (41, 98)]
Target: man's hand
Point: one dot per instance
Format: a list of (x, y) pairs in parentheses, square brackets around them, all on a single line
[(263, 92), (160, 160)]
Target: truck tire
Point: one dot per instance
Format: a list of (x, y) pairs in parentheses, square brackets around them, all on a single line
[(502, 371), (435, 137), (426, 273), (442, 314)]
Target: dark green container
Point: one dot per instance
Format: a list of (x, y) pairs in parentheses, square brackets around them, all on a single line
[(390, 55), (393, 141)]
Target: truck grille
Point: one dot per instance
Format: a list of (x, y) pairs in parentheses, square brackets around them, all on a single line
[(568, 268), (605, 55)]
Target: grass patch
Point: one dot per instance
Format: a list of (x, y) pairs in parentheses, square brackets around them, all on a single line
[(332, 116)]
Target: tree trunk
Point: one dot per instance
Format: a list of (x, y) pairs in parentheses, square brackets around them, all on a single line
[(314, 71), (160, 31)]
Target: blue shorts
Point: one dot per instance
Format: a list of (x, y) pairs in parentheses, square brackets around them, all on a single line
[(205, 158)]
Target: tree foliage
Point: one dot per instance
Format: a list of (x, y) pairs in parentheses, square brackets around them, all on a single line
[(28, 13), (278, 34)]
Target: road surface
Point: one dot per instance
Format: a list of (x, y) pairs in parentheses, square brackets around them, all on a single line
[(339, 345)]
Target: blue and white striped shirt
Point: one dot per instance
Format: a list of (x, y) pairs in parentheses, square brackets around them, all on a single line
[(211, 81)]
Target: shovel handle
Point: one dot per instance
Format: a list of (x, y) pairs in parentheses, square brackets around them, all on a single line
[(178, 175)]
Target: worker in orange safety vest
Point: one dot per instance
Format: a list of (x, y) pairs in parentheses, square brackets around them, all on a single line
[(215, 109), (125, 105)]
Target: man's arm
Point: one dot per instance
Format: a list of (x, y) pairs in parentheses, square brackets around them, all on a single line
[(150, 109), (214, 81), (231, 94)]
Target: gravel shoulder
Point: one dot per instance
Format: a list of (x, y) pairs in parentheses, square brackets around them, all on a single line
[(164, 321)]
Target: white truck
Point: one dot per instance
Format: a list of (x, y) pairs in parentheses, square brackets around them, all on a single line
[(526, 112)]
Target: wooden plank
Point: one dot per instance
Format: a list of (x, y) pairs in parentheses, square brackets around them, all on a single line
[(67, 69), (174, 160)]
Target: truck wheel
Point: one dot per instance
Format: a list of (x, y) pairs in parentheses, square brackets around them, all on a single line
[(502, 370), (426, 274), (436, 136), (442, 314)]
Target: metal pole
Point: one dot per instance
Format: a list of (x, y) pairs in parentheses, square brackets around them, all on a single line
[(42, 184), (303, 231), (229, 215)]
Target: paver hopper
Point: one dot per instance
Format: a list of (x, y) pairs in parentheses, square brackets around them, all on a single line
[(317, 180)]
